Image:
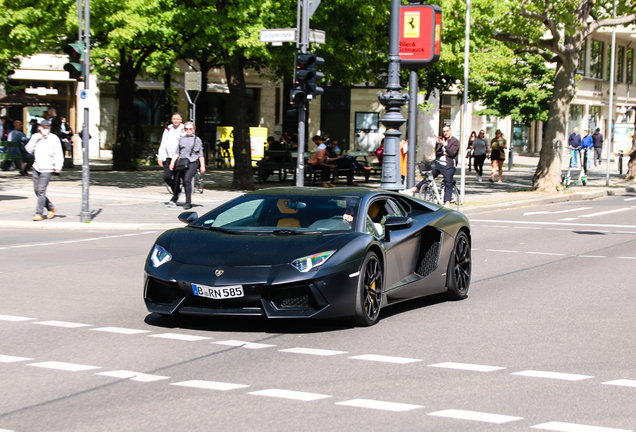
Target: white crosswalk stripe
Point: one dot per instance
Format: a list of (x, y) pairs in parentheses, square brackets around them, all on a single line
[(290, 394), (14, 318), (120, 330), (62, 324), (12, 359), (622, 382), (71, 367), (133, 376), (379, 405), (573, 427), (468, 367), (475, 416), (312, 351), (552, 375), (248, 345), (385, 359), (209, 385), (182, 337)]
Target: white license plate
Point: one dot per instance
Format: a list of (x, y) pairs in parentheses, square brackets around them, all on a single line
[(225, 292)]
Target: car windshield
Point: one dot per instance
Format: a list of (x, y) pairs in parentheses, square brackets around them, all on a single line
[(284, 214)]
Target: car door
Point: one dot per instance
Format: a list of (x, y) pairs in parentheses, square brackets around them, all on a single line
[(400, 251)]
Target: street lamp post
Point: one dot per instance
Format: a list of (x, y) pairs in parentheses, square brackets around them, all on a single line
[(393, 101)]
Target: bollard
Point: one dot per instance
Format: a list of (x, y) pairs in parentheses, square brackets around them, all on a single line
[(510, 157), (620, 162)]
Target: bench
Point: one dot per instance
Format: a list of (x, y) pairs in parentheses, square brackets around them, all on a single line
[(275, 162)]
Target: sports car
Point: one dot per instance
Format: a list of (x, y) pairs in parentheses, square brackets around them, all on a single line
[(293, 252)]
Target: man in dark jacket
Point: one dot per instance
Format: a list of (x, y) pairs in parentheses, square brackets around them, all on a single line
[(597, 138), (574, 144), (446, 153)]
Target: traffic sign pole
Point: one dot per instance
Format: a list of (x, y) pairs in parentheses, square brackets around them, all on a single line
[(85, 214)]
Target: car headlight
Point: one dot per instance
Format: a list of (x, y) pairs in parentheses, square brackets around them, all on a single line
[(307, 263), (159, 256)]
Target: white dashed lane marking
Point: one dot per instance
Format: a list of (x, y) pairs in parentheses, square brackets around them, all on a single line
[(468, 367), (120, 330), (62, 324), (14, 318), (622, 382), (7, 430), (71, 367), (182, 337), (133, 376), (606, 212), (379, 405), (475, 416), (552, 375), (248, 345), (545, 253), (76, 241), (209, 385), (290, 394), (12, 359), (385, 359), (501, 250), (573, 427), (312, 351)]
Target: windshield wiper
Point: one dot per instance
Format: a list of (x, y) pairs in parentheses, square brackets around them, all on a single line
[(223, 230), (293, 232)]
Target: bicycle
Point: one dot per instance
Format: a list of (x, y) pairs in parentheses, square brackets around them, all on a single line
[(197, 183), (429, 190)]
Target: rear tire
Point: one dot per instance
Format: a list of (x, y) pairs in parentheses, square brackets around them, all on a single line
[(370, 291), (459, 268)]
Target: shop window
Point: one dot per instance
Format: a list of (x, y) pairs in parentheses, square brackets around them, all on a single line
[(596, 59), (581, 67), (576, 115), (618, 73), (594, 118)]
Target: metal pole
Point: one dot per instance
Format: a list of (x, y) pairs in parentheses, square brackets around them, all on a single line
[(79, 20), (300, 160), (85, 214), (412, 130), (393, 100), (462, 154), (298, 24), (611, 100)]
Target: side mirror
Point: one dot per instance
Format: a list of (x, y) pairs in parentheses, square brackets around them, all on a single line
[(394, 224), (187, 217)]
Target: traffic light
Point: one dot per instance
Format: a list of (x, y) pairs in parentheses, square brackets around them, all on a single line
[(305, 77), (75, 65)]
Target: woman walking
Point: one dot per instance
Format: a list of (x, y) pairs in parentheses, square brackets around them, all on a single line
[(470, 151), (498, 147), (480, 149), (185, 162)]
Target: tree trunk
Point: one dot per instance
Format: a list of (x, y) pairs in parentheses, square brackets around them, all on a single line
[(547, 177), (202, 104), (123, 149), (631, 165), (238, 114), (169, 98)]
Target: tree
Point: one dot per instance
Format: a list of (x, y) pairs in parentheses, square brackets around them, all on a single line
[(557, 29)]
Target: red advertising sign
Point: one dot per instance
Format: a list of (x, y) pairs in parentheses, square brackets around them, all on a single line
[(420, 35)]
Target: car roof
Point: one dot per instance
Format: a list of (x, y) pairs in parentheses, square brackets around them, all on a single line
[(319, 191)]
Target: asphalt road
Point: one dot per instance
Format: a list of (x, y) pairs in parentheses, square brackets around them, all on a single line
[(544, 341)]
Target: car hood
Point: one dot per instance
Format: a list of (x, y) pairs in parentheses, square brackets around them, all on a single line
[(212, 248)]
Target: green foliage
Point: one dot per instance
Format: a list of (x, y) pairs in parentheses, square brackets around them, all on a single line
[(522, 90)]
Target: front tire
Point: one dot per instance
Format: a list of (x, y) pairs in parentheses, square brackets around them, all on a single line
[(370, 291), (459, 268)]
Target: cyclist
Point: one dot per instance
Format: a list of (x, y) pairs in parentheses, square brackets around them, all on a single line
[(446, 152)]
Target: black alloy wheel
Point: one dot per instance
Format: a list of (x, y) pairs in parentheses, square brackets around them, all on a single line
[(459, 268), (369, 296)]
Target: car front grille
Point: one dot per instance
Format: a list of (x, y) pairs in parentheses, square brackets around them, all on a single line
[(292, 297), (161, 292)]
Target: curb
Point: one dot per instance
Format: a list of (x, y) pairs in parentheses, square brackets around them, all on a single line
[(577, 196)]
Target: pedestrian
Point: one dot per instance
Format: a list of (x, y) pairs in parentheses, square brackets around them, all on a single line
[(470, 148), (379, 153), (190, 153), (49, 159), (66, 133), (318, 162), (586, 146), (480, 149), (597, 139), (34, 127), (404, 149), (574, 144), (446, 152), (16, 135), (168, 147), (497, 155)]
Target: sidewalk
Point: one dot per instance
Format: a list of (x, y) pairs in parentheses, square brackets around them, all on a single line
[(136, 200)]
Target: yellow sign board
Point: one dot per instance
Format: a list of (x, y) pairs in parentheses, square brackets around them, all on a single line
[(412, 24), (258, 138)]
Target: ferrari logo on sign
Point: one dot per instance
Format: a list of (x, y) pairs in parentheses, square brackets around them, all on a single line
[(218, 272), (411, 24)]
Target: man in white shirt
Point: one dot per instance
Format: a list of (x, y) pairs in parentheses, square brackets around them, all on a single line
[(170, 146), (49, 159)]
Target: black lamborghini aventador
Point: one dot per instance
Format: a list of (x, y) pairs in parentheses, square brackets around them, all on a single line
[(309, 253)]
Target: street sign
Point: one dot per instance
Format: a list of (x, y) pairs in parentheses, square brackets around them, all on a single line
[(278, 35), (317, 36), (313, 5), (84, 94), (193, 81), (420, 35)]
